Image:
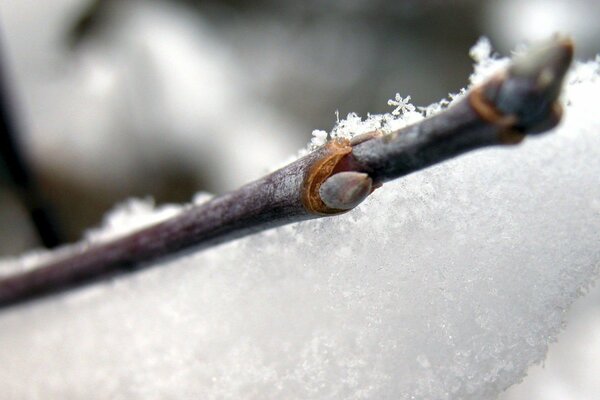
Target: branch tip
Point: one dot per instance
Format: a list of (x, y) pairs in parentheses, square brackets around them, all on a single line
[(530, 87)]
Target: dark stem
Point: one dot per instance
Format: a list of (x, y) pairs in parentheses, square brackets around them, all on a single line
[(329, 181), (19, 174)]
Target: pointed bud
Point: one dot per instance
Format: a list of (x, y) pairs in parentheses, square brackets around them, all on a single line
[(345, 190), (533, 84)]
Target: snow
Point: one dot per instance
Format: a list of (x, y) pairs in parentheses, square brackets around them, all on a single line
[(572, 366), (402, 105), (319, 138), (446, 284), (405, 113), (131, 216)]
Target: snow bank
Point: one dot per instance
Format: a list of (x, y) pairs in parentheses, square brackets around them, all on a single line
[(446, 284)]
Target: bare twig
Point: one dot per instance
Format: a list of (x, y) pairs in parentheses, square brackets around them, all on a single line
[(334, 178), (20, 176)]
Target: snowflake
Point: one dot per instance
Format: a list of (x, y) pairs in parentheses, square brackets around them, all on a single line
[(402, 104)]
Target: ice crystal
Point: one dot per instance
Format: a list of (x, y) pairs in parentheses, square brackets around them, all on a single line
[(319, 138), (402, 105)]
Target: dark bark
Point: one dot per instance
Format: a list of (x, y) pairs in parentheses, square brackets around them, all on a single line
[(20, 177), (329, 181)]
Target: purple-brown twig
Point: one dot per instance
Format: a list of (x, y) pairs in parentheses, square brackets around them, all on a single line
[(331, 180)]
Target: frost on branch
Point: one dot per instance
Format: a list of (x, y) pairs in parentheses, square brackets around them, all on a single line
[(446, 284)]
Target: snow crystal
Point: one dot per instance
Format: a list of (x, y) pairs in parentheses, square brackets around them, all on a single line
[(446, 284), (486, 62), (481, 51), (319, 138), (402, 104), (404, 112)]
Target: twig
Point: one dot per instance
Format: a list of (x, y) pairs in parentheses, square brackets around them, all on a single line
[(334, 178), (20, 176)]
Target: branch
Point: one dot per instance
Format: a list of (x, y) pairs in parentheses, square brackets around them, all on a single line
[(21, 178), (335, 178)]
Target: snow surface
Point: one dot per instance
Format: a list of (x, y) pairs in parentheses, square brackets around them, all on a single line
[(572, 365), (446, 284)]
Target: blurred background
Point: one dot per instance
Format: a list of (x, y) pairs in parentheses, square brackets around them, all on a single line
[(111, 99), (103, 100)]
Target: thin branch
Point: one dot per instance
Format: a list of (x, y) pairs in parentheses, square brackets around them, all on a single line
[(521, 100), (20, 176)]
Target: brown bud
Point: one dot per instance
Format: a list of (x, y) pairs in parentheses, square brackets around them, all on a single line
[(345, 190)]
